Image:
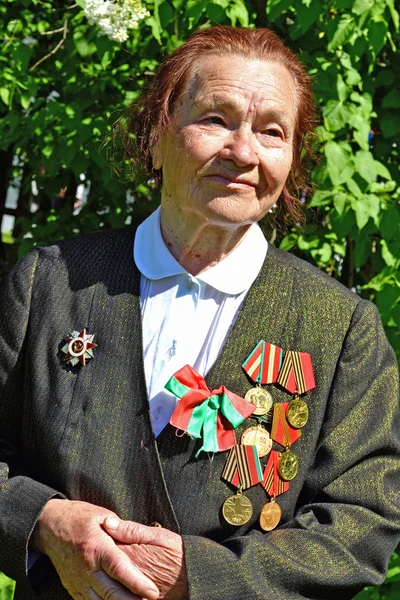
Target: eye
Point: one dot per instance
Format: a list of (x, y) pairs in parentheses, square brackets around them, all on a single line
[(273, 133), (215, 120)]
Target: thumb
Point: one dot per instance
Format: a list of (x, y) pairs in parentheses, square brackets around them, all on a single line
[(129, 532)]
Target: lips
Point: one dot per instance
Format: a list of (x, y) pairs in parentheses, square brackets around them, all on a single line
[(227, 179)]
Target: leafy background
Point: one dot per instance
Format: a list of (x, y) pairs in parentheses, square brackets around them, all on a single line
[(62, 86)]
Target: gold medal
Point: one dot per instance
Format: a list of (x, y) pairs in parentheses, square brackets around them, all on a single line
[(257, 436), (297, 413), (288, 465), (270, 515), (261, 398), (237, 510)]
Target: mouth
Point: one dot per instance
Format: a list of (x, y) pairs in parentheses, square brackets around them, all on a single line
[(230, 182)]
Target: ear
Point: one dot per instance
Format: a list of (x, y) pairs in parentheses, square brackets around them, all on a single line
[(156, 155)]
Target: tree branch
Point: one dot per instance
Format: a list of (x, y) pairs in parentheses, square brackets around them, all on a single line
[(57, 47)]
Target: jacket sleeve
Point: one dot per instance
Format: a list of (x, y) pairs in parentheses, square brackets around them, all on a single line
[(342, 539), (21, 498)]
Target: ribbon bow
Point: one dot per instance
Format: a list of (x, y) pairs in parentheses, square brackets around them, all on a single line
[(203, 414)]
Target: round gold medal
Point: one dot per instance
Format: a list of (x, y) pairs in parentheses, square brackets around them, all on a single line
[(257, 436), (288, 465), (297, 414), (270, 516), (237, 510), (261, 398)]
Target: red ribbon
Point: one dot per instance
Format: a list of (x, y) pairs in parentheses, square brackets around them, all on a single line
[(215, 421)]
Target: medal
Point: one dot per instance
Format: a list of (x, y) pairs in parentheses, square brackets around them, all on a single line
[(282, 432), (270, 515), (263, 363), (243, 470), (288, 465), (261, 398), (297, 413), (296, 374), (259, 437), (79, 347), (237, 509)]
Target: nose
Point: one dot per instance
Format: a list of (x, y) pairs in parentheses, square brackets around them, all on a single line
[(240, 148)]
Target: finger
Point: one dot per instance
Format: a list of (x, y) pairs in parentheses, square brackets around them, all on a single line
[(130, 532), (117, 565), (106, 588)]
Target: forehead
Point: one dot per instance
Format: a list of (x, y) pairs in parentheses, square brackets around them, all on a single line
[(235, 79)]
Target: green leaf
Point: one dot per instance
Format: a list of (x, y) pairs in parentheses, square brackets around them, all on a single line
[(377, 31), (389, 225), (276, 7), (340, 202), (336, 115), (166, 14), (15, 26), (5, 95), (363, 128), (215, 12), (362, 6), (155, 28), (83, 47), (321, 198), (81, 3), (339, 162), (341, 87), (382, 171), (344, 30), (391, 261), (389, 122), (393, 13), (366, 208), (238, 14), (307, 13), (365, 165), (392, 99), (25, 101)]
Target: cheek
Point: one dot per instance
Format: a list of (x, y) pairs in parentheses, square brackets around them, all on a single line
[(277, 164)]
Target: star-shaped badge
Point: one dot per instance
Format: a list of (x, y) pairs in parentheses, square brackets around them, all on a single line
[(79, 347)]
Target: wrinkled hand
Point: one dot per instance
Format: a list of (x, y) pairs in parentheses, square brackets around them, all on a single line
[(87, 560), (157, 552)]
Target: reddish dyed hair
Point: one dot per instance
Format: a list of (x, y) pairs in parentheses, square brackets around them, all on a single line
[(150, 117)]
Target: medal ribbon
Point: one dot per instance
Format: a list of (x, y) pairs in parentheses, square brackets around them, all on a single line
[(296, 374), (273, 484), (243, 467), (208, 415), (282, 432), (263, 363)]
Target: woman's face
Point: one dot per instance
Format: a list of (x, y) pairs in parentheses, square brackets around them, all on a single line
[(228, 151)]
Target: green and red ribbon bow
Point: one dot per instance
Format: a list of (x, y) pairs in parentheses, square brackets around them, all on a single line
[(263, 363), (243, 467), (273, 484), (296, 374), (208, 415)]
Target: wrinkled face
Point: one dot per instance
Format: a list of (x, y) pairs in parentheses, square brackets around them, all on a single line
[(228, 151)]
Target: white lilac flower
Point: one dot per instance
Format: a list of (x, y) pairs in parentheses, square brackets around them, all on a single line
[(115, 17)]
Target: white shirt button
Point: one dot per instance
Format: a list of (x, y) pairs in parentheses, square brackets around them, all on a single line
[(156, 414)]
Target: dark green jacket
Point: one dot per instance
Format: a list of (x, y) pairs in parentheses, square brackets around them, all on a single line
[(86, 433)]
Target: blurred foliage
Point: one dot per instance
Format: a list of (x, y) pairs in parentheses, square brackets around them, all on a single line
[(62, 86)]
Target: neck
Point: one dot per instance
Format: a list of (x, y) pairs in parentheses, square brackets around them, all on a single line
[(198, 244)]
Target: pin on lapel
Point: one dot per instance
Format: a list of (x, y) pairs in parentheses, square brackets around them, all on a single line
[(78, 347)]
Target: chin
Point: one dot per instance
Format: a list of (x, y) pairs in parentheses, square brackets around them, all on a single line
[(233, 210)]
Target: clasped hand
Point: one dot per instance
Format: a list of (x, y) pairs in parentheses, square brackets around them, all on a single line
[(99, 556)]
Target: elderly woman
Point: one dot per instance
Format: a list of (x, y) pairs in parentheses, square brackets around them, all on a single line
[(103, 493)]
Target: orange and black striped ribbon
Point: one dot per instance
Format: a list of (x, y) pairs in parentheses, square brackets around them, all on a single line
[(243, 467), (296, 374), (273, 484), (282, 432)]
